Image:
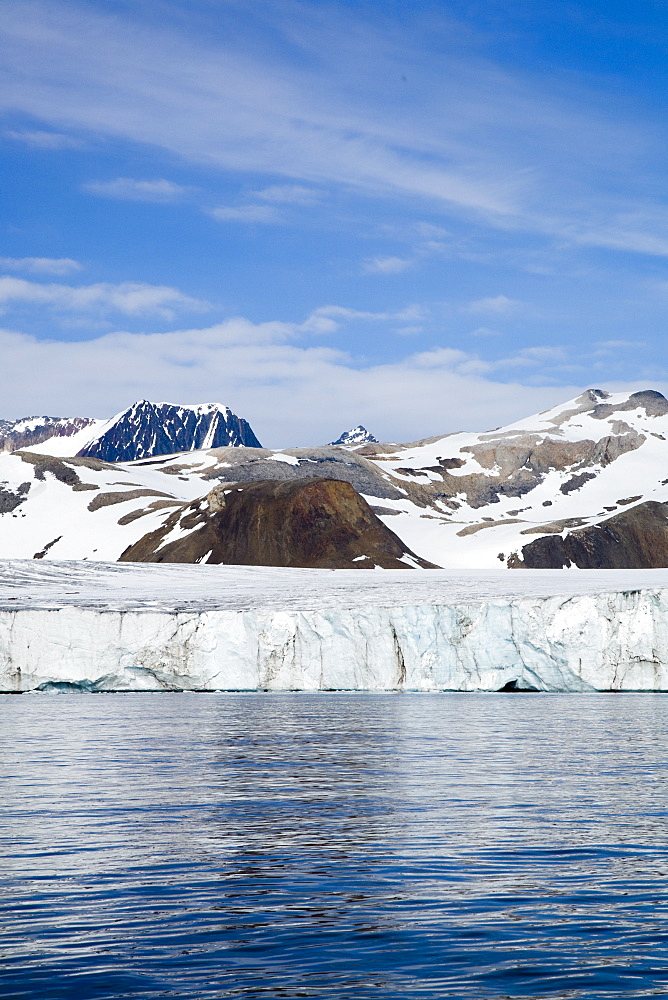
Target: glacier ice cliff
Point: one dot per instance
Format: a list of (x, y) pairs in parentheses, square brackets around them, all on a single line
[(111, 627)]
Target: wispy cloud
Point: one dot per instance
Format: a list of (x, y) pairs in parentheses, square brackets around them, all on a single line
[(288, 194), (484, 331), (44, 140), (386, 265), (328, 319), (608, 348), (222, 105), (614, 344), (129, 298), (41, 265), (264, 214), (499, 305), (540, 155), (267, 213), (129, 189), (545, 353)]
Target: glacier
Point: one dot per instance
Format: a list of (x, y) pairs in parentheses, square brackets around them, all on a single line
[(136, 627)]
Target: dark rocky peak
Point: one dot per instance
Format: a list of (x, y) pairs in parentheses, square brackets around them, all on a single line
[(148, 429), (355, 436), (652, 402), (633, 539)]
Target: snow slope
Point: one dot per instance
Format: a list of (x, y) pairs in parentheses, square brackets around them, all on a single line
[(475, 499), (70, 444), (139, 627), (461, 501), (52, 435)]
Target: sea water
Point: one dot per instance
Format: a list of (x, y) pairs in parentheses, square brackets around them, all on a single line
[(333, 845)]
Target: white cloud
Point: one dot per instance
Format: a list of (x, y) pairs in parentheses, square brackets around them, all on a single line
[(428, 231), (288, 194), (222, 105), (246, 213), (272, 374), (132, 298), (328, 319), (484, 331), (612, 344), (544, 353), (499, 305), (41, 265), (44, 140), (621, 238), (386, 265), (128, 189), (544, 155), (266, 377)]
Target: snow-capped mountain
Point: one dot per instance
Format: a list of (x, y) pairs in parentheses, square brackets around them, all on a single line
[(355, 437), (31, 431), (146, 429), (141, 431), (587, 478), (585, 483)]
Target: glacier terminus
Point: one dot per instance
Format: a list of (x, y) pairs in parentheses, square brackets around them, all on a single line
[(133, 627)]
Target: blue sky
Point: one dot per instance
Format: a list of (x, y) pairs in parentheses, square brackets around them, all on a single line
[(426, 217)]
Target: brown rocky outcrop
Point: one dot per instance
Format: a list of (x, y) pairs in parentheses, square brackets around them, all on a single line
[(636, 538), (316, 523)]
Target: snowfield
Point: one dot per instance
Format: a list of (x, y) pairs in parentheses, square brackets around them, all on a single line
[(460, 501), (110, 627)]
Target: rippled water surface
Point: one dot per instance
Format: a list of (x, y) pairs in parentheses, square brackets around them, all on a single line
[(332, 845)]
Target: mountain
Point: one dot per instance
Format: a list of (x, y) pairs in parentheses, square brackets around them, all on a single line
[(31, 431), (583, 484), (147, 429), (567, 472), (355, 437), (314, 523), (141, 431)]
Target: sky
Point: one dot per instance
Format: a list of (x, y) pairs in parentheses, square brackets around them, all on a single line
[(423, 217)]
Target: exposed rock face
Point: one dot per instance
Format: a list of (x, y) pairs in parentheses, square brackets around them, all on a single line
[(519, 464), (148, 429), (652, 402), (317, 523), (247, 465), (469, 500), (634, 539), (62, 469), (355, 437), (11, 499), (29, 431)]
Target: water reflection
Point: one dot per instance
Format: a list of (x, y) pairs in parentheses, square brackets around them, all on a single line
[(331, 845)]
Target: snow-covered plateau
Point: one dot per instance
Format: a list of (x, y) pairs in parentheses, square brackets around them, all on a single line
[(132, 627)]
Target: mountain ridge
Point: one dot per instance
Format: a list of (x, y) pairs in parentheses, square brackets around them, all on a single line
[(147, 430), (463, 500), (142, 430)]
